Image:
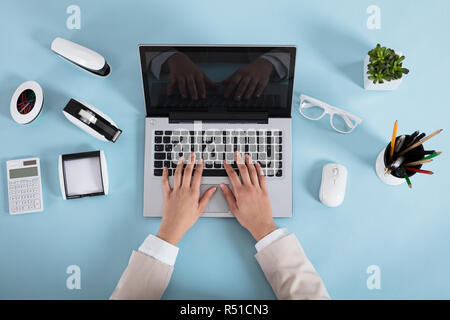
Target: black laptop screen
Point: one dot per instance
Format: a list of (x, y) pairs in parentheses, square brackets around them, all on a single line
[(217, 79)]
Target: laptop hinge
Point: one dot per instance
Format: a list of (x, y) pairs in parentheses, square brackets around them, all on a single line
[(220, 117)]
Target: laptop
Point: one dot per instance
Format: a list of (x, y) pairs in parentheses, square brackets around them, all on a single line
[(214, 100)]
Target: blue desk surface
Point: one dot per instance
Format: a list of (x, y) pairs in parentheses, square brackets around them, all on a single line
[(405, 232)]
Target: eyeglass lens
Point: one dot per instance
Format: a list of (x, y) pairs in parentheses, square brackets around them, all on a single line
[(340, 124), (312, 112)]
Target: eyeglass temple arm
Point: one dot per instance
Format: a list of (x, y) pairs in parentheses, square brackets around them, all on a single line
[(353, 117)]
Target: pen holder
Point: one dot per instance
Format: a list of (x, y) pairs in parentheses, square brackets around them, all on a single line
[(391, 178)]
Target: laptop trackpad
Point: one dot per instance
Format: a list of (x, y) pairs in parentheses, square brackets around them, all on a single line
[(218, 203)]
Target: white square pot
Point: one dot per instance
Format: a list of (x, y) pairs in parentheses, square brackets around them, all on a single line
[(387, 85)]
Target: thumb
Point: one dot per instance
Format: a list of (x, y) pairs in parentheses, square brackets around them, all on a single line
[(210, 83), (229, 196), (205, 199)]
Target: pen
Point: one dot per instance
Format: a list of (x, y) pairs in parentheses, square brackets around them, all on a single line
[(397, 163), (411, 138), (419, 137), (399, 143)]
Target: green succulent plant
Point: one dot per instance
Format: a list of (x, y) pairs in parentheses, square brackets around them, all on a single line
[(385, 65)]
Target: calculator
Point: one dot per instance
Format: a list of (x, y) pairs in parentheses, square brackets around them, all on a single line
[(24, 186)]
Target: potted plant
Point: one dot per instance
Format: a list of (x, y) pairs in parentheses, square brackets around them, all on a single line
[(383, 69)]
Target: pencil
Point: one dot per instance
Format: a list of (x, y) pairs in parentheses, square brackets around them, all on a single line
[(419, 170), (416, 163), (418, 143), (435, 154), (408, 181), (394, 134)]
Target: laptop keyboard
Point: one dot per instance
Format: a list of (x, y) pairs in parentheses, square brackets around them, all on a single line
[(217, 100), (214, 146)]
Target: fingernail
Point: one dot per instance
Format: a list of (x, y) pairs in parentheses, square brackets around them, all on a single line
[(181, 160), (200, 161), (214, 189), (239, 158), (222, 186)]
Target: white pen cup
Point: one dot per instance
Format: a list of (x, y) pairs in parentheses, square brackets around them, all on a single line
[(392, 178)]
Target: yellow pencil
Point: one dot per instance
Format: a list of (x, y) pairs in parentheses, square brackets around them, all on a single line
[(394, 135), (418, 143)]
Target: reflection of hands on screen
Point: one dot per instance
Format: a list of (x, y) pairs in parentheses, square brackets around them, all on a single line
[(188, 77), (248, 80)]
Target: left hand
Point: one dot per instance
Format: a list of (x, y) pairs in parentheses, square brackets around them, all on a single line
[(248, 80), (182, 203)]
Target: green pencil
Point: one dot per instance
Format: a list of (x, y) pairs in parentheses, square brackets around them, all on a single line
[(431, 156), (408, 181)]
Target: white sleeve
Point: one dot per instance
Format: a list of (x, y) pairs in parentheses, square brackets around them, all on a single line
[(159, 60), (271, 238), (277, 65), (159, 249)]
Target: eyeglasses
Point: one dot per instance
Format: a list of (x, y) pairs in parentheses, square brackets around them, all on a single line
[(340, 120)]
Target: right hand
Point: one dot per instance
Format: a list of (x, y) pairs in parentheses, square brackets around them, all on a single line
[(250, 201), (249, 80), (182, 203), (185, 74)]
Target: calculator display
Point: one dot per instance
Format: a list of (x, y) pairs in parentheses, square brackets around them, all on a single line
[(23, 173)]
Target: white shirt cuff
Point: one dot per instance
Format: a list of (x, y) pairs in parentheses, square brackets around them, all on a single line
[(159, 249), (271, 238), (277, 65)]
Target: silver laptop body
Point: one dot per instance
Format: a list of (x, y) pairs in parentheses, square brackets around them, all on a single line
[(215, 127)]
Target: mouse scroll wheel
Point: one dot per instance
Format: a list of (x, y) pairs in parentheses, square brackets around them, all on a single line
[(335, 171)]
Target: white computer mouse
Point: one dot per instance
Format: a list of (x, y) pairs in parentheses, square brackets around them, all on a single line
[(334, 182)]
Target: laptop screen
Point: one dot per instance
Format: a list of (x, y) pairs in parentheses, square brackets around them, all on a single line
[(218, 79)]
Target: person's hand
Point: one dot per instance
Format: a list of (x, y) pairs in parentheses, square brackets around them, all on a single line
[(250, 201), (248, 80), (182, 206), (188, 77)]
